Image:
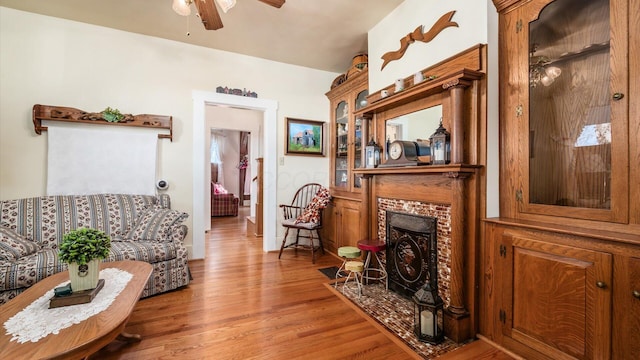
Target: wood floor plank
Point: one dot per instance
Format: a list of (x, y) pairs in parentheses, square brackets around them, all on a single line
[(246, 304)]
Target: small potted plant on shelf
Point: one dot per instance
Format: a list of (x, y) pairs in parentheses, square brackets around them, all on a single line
[(82, 249), (112, 115)]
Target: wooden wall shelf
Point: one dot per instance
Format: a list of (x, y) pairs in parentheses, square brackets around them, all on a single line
[(462, 68), (418, 91), (420, 169), (68, 114)]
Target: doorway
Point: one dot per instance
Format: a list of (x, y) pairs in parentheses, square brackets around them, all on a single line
[(233, 153), (268, 108)]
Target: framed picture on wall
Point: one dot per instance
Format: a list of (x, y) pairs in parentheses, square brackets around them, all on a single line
[(304, 137)]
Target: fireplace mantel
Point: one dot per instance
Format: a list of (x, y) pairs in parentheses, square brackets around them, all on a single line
[(459, 85), (447, 170)]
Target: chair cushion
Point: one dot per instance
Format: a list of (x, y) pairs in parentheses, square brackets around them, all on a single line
[(14, 246), (292, 223), (311, 213), (156, 224)]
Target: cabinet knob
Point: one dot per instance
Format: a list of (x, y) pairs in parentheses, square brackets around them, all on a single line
[(618, 96), (636, 294), (601, 284)]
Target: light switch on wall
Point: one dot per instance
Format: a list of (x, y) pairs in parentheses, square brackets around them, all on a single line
[(281, 160)]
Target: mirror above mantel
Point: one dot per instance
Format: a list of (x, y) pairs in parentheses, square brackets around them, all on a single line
[(451, 93), (416, 126)]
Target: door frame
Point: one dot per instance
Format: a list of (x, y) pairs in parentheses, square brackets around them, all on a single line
[(201, 99)]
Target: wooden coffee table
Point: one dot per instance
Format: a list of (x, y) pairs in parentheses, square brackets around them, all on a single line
[(83, 339)]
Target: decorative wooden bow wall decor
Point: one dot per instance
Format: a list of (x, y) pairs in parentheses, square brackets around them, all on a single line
[(417, 35)]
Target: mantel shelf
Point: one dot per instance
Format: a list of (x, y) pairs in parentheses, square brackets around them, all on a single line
[(419, 91), (420, 170), (67, 114)]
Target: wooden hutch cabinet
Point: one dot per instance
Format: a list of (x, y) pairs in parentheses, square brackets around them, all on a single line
[(561, 263), (343, 222)]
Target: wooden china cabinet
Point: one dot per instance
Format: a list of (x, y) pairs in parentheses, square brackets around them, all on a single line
[(343, 219), (562, 262)]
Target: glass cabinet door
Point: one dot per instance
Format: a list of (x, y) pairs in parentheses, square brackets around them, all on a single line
[(357, 151), (360, 101), (574, 131), (341, 178)]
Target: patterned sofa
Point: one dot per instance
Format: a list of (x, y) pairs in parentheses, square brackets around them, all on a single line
[(142, 227)]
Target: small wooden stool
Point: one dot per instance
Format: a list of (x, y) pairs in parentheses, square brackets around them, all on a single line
[(374, 246)]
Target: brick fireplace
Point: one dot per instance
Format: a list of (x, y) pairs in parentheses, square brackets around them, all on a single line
[(453, 193), (448, 194), (423, 213)]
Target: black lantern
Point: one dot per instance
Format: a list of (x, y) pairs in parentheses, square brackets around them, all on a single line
[(440, 146), (372, 154), (428, 322)]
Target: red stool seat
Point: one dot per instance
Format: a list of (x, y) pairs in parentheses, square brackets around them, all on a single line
[(371, 245)]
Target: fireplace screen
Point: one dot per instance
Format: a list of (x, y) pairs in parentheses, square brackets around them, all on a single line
[(411, 252)]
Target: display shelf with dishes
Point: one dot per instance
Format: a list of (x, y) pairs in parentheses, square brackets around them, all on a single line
[(346, 147), (347, 135)]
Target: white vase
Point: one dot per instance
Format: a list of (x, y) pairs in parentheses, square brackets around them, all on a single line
[(84, 277)]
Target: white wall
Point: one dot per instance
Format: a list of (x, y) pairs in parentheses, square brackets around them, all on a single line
[(477, 23), (52, 61), (385, 36)]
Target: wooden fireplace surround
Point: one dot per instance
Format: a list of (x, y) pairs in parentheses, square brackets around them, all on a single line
[(460, 87)]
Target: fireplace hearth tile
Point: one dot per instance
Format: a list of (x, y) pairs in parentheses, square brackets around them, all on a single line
[(395, 313)]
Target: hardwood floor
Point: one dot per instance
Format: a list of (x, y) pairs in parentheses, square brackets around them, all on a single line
[(246, 304)]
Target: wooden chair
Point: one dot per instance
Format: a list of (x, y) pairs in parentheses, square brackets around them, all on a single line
[(310, 198)]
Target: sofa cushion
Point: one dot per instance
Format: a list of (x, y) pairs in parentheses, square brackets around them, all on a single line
[(156, 225), (30, 269), (148, 251), (14, 246), (219, 189), (46, 219)]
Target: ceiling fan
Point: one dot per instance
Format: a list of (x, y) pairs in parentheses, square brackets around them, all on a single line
[(209, 13)]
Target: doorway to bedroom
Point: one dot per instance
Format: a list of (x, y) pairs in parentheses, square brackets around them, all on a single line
[(234, 144)]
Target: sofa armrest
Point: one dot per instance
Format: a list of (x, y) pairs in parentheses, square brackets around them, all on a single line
[(179, 233)]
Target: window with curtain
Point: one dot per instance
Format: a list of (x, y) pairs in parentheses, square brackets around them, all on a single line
[(217, 148)]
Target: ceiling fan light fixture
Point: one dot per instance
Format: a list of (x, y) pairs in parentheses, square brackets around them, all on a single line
[(182, 7), (226, 5)]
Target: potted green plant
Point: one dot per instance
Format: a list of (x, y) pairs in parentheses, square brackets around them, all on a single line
[(112, 115), (82, 249)]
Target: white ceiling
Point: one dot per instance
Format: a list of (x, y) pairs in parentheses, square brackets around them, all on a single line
[(320, 34)]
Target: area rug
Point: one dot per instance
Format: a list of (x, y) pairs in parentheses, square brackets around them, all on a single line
[(329, 272), (395, 314)]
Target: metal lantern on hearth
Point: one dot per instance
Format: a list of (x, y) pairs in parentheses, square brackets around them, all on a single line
[(428, 322), (372, 154), (440, 146)]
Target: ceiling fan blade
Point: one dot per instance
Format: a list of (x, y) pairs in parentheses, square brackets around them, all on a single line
[(274, 3), (209, 14)]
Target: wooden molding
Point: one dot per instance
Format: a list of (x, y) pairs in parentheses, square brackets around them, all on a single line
[(68, 114), (417, 35), (470, 60)]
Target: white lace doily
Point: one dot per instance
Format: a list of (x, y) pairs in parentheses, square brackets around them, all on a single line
[(36, 321)]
